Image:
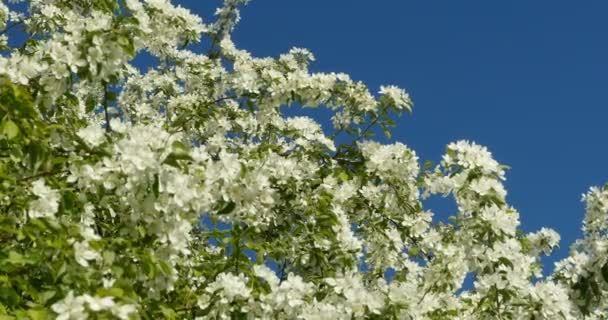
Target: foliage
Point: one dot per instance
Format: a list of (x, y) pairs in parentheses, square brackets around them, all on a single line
[(184, 192)]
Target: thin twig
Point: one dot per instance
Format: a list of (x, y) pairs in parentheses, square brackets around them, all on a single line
[(369, 126), (283, 275), (105, 106), (225, 98), (42, 174), (428, 256)]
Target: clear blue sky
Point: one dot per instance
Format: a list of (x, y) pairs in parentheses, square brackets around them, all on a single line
[(528, 79)]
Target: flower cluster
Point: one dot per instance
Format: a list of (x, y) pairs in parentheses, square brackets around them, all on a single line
[(79, 307)]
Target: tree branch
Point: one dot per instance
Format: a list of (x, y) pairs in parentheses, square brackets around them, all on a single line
[(105, 106), (43, 174), (283, 276)]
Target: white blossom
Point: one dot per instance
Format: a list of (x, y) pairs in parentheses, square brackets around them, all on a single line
[(397, 96), (84, 253), (47, 202), (70, 308), (93, 134)]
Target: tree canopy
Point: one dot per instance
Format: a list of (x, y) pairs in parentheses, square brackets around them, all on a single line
[(184, 192)]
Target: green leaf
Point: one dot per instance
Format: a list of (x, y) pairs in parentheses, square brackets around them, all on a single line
[(117, 271), (243, 172), (110, 292), (38, 314), (126, 44), (179, 152), (9, 297), (228, 208), (108, 257), (17, 258), (111, 96), (38, 156), (156, 186), (165, 268), (595, 288), (46, 296), (10, 129), (387, 133), (90, 104), (250, 106), (506, 262), (122, 40), (605, 272), (343, 176)]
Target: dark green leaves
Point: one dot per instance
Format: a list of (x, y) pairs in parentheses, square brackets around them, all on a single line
[(227, 208), (179, 152)]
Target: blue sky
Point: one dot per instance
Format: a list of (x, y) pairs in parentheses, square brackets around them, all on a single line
[(528, 79)]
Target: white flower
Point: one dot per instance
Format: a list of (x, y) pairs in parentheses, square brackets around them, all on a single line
[(84, 253), (485, 186), (554, 301), (505, 221), (358, 297), (89, 233), (93, 134), (545, 240), (230, 286), (290, 295), (305, 53), (98, 304), (47, 203), (70, 308), (4, 13), (98, 21), (397, 97), (108, 282), (123, 311), (310, 131), (178, 234), (117, 125), (390, 161), (343, 231), (470, 155), (267, 274)]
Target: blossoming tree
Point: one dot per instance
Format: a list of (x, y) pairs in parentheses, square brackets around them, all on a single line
[(183, 192)]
